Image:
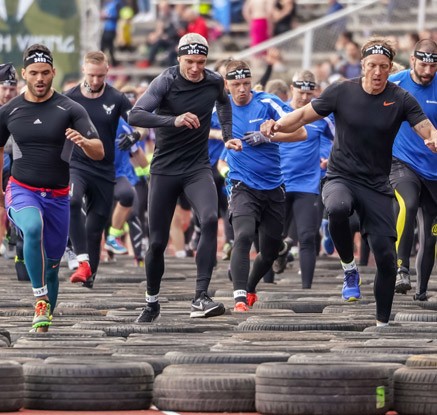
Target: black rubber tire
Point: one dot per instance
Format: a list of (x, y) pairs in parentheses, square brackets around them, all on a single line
[(11, 386), (324, 389), (227, 393), (196, 358), (100, 386)]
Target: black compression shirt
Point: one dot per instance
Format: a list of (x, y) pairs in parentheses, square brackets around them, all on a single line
[(105, 112), (182, 150), (41, 151), (365, 129)]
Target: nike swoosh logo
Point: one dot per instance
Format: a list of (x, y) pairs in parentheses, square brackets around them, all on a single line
[(386, 104), (199, 307), (55, 266)]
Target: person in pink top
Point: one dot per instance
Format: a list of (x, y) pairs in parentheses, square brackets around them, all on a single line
[(259, 15)]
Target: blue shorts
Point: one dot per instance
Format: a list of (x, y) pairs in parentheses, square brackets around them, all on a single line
[(54, 206)]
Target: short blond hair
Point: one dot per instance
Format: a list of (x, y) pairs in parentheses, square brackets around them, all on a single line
[(96, 57)]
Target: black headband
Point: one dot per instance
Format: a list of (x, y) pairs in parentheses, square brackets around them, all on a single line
[(378, 50), (193, 49), (425, 57), (38, 56), (239, 74), (304, 85)]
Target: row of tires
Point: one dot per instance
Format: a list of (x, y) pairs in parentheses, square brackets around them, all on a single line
[(268, 388)]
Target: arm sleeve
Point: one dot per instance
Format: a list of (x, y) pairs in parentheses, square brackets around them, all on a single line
[(126, 106), (82, 122), (325, 103), (224, 113), (4, 132), (266, 76), (142, 114), (414, 113)]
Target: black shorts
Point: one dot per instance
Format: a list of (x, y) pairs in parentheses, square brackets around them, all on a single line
[(266, 206), (98, 192), (375, 209), (401, 173)]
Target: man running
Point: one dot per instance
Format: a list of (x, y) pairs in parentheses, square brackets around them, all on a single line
[(368, 112), (414, 173), (91, 179), (179, 104), (46, 126)]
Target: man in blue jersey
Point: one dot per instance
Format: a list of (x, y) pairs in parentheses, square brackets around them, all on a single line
[(300, 164), (414, 173), (368, 113), (257, 199)]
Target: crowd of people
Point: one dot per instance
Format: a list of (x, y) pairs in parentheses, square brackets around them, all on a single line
[(92, 178)]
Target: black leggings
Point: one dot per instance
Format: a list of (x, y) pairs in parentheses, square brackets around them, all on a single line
[(425, 257), (245, 231), (164, 191), (303, 208), (408, 197)]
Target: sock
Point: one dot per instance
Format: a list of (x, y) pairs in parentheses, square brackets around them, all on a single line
[(350, 266)]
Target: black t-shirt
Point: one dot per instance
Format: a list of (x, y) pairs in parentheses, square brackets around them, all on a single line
[(181, 149), (41, 151), (365, 128), (105, 112)]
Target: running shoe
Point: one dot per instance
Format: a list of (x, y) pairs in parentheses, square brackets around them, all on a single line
[(149, 314), (115, 246), (252, 298), (139, 262), (280, 263), (351, 286), (227, 251), (21, 270), (241, 307), (83, 272), (71, 259), (42, 315), (403, 283), (205, 306), (420, 297), (89, 283), (327, 242)]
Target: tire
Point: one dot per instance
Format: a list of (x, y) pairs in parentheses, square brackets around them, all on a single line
[(254, 357), (11, 386), (416, 391), (220, 393), (326, 389), (88, 387)]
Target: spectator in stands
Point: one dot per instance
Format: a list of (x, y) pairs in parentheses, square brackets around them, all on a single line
[(166, 35), (259, 15), (352, 67), (109, 17), (195, 22), (284, 14)]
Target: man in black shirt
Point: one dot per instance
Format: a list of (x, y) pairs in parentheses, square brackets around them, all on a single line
[(41, 122), (179, 104), (93, 179), (368, 113)]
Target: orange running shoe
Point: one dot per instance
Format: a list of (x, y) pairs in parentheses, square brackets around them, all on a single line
[(252, 298), (83, 273), (241, 307)]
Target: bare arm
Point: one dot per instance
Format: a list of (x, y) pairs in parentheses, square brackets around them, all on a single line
[(92, 147), (428, 132), (299, 135), (291, 122)]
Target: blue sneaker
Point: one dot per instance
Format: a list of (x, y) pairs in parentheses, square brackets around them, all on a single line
[(327, 243), (115, 246), (351, 286)]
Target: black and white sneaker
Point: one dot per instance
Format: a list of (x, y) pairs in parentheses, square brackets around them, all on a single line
[(205, 306), (149, 314)]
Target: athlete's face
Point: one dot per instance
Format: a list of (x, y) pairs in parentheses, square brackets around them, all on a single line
[(422, 73), (300, 97), (39, 79), (240, 90), (95, 74), (7, 92), (376, 69), (192, 67)]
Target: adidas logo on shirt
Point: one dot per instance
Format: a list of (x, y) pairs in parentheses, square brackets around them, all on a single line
[(37, 121)]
